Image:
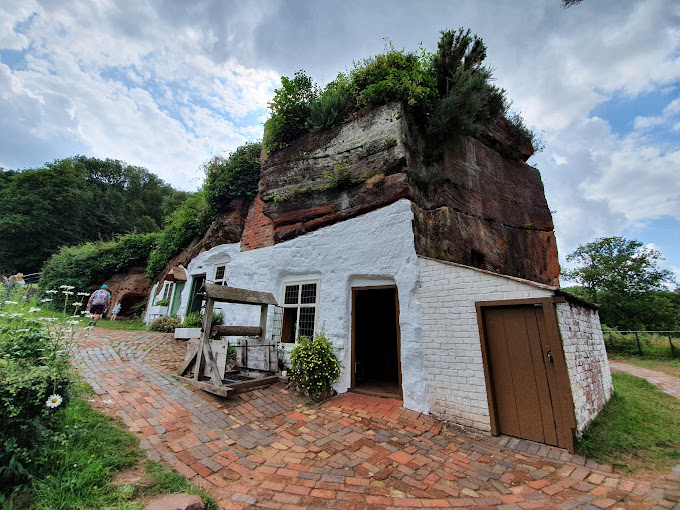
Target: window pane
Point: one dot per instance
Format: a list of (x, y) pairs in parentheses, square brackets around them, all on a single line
[(307, 321), (308, 293), (219, 273), (291, 297)]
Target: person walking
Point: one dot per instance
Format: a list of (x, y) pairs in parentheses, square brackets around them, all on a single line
[(98, 303), (114, 311)]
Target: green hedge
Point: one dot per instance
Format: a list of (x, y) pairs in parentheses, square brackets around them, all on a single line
[(234, 176), (88, 265)]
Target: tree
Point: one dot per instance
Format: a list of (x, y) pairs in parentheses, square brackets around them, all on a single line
[(625, 278)]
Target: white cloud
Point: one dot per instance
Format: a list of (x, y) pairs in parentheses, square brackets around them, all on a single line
[(666, 117)]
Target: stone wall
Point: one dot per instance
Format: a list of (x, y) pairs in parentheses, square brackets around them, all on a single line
[(450, 337), (584, 351)]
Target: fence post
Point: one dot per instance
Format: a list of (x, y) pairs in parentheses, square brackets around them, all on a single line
[(611, 341), (637, 339), (671, 342)]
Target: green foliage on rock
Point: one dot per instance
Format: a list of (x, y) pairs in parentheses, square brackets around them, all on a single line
[(290, 109), (191, 220), (314, 366), (234, 176), (450, 93), (73, 201), (88, 265)]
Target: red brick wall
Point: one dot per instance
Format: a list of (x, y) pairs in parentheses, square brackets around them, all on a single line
[(259, 230)]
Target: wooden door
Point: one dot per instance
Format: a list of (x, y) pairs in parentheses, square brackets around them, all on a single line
[(521, 369)]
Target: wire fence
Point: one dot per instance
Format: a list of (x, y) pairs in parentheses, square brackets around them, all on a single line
[(657, 344)]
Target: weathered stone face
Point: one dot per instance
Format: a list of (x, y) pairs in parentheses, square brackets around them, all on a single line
[(472, 206)]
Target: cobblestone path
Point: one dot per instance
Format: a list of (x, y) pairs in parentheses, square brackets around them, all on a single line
[(266, 449), (664, 382)]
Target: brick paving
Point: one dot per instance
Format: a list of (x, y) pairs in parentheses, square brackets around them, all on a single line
[(664, 382), (267, 449)]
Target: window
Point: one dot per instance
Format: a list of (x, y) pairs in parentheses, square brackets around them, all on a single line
[(167, 291), (220, 275), (300, 302)]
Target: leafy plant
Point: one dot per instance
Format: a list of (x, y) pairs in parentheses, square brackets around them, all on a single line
[(165, 324), (192, 219), (192, 320), (340, 177), (332, 105), (162, 302), (289, 109), (314, 366), (232, 177)]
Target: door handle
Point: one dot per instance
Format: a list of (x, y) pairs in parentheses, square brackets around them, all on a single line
[(550, 357)]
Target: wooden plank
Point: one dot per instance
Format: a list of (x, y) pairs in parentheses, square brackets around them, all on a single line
[(222, 391), (254, 383), (240, 296), (533, 316), (189, 362), (205, 334), (501, 374), (236, 331), (212, 364), (263, 320)]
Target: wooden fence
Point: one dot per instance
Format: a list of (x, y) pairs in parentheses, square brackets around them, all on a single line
[(644, 343)]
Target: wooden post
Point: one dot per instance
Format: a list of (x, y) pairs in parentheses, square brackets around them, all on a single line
[(263, 321), (637, 339), (205, 337), (671, 342), (611, 341)]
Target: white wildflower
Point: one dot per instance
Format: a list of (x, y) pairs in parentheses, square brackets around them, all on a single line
[(34, 309), (54, 401), (15, 315), (46, 300), (11, 303), (67, 292), (83, 294), (67, 287), (51, 291), (77, 304), (50, 319), (73, 322)]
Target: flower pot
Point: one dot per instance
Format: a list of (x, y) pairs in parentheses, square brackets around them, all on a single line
[(186, 333)]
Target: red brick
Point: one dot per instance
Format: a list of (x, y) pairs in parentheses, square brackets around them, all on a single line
[(184, 470)]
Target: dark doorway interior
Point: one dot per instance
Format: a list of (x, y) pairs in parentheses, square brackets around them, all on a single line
[(376, 342)]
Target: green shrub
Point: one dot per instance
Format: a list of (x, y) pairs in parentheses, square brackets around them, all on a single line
[(192, 320), (234, 176), (165, 324), (289, 109), (162, 302), (314, 366), (34, 365), (191, 220), (217, 318), (332, 105), (88, 265), (340, 177)]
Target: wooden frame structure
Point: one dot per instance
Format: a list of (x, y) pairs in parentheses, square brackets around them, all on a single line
[(202, 358)]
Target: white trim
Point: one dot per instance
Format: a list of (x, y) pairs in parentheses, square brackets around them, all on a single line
[(300, 305), (223, 280)]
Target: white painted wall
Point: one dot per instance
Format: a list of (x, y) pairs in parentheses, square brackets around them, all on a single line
[(586, 357), (373, 249), (451, 343)]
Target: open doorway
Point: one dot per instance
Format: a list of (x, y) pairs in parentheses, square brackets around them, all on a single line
[(376, 364)]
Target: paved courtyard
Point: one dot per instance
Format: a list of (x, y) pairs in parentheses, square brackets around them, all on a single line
[(267, 449)]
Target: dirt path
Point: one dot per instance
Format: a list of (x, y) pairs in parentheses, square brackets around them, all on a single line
[(266, 449), (664, 382)]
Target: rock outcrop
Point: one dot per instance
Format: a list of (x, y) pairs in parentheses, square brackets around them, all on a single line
[(472, 205)]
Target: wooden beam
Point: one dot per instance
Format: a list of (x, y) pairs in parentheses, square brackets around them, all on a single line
[(240, 296), (236, 331), (254, 383), (189, 362), (223, 391)]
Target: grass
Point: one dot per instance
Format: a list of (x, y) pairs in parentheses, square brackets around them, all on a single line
[(665, 365), (89, 449), (638, 428)]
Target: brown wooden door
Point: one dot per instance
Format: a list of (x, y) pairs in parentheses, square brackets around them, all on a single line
[(521, 372)]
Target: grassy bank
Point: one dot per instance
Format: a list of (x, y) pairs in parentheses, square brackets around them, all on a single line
[(638, 428)]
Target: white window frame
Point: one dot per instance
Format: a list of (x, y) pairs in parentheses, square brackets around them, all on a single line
[(223, 280), (300, 305), (167, 291)]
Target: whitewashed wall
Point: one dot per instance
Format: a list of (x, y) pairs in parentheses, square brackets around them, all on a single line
[(584, 350), (451, 343), (375, 248)]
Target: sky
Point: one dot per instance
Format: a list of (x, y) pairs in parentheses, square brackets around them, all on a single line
[(166, 84)]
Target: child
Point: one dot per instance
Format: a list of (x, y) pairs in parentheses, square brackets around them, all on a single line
[(114, 311)]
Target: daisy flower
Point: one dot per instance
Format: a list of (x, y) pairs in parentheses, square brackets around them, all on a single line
[(54, 401)]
